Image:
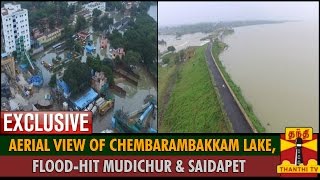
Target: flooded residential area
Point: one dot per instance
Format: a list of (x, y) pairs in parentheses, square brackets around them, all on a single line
[(87, 65)]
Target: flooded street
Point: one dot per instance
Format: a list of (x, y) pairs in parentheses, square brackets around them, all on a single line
[(48, 59), (131, 102), (277, 69)]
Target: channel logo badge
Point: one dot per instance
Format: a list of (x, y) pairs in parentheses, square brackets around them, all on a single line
[(298, 154)]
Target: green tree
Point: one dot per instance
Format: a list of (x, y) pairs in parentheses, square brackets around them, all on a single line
[(181, 55), (81, 23), (114, 5), (78, 48), (132, 57), (99, 66), (108, 62), (171, 48), (108, 73), (95, 24), (98, 57), (105, 22), (142, 38), (116, 40), (67, 34), (176, 58), (52, 21), (166, 60), (77, 76), (53, 81), (96, 12)]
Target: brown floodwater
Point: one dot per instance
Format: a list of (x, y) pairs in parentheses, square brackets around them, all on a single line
[(277, 69)]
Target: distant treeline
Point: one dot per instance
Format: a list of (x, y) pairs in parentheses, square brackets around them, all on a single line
[(209, 27)]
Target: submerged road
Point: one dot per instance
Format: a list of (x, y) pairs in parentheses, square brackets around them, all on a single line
[(239, 123)]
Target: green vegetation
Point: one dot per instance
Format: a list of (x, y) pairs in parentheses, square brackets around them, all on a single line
[(77, 76), (166, 80), (101, 23), (96, 64), (56, 12), (112, 5), (228, 32), (171, 48), (142, 38), (53, 80), (194, 105), (132, 58), (217, 48), (81, 23), (96, 12)]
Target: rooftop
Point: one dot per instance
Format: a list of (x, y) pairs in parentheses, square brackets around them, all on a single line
[(85, 99), (10, 8)]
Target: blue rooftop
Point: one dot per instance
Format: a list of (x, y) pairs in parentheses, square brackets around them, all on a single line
[(86, 99), (90, 48), (3, 55), (36, 80), (63, 85)]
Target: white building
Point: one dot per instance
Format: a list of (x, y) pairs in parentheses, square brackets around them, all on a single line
[(72, 3), (95, 5), (15, 23)]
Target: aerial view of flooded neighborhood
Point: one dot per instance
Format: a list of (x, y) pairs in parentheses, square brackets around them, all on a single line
[(82, 56), (242, 67)]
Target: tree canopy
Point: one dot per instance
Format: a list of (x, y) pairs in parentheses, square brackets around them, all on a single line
[(53, 81), (142, 38), (132, 58), (67, 34), (81, 23), (77, 76), (101, 23), (112, 5), (46, 9), (171, 48), (96, 12), (97, 65)]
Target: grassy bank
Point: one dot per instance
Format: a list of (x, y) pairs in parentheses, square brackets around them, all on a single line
[(194, 105), (165, 80), (217, 48)]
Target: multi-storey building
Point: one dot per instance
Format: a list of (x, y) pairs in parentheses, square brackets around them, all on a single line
[(15, 23)]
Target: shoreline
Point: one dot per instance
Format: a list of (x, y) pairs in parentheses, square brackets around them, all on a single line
[(245, 105)]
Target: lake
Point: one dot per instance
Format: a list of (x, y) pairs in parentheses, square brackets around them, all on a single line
[(182, 42), (277, 69)]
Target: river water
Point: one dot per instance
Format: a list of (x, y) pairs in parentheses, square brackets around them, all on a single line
[(182, 42), (277, 69)]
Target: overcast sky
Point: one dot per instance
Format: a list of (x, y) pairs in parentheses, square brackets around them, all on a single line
[(175, 13)]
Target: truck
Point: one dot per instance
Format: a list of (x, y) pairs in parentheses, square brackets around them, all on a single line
[(146, 113), (99, 100), (94, 110), (105, 107), (99, 103), (90, 107)]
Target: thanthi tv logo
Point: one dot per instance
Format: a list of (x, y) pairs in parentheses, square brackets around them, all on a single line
[(298, 153)]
